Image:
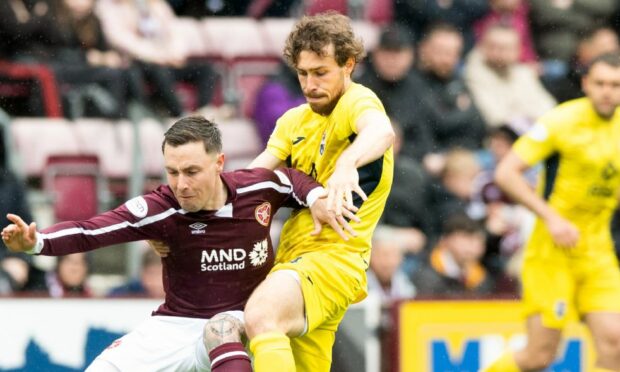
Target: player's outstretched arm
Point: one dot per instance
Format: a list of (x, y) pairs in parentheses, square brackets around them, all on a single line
[(321, 215), (18, 236), (375, 136)]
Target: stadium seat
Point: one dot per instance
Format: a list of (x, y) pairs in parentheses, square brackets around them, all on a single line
[(35, 139), (74, 184), (276, 30), (103, 138), (232, 39), (240, 142), (17, 79)]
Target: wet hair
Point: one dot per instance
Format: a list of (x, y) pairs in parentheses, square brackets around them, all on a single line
[(314, 33), (194, 129), (612, 59)]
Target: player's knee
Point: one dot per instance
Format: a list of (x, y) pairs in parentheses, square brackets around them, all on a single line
[(258, 320), (540, 359), (609, 347), (221, 329)]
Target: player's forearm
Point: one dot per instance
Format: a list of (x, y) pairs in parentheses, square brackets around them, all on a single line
[(372, 141), (513, 183)]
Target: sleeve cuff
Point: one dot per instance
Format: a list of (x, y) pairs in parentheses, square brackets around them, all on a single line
[(38, 246), (314, 194)]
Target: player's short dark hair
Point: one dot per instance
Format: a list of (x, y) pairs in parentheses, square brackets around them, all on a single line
[(314, 33), (193, 129), (612, 59), (461, 223)]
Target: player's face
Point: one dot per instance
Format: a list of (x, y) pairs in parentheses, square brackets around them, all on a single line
[(322, 80), (602, 86), (193, 174)]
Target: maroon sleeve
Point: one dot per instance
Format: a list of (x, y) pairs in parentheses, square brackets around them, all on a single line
[(140, 218), (302, 185)]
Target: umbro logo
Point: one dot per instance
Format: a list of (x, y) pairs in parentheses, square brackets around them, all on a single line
[(298, 139), (198, 228)]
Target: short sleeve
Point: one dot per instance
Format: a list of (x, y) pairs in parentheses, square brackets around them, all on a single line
[(538, 143)]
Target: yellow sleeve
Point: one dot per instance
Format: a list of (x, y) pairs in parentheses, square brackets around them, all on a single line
[(360, 103), (280, 140), (539, 143)]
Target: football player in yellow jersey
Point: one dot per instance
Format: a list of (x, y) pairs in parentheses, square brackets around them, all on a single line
[(343, 138), (570, 268)]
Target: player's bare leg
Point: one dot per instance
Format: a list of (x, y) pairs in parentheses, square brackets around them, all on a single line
[(222, 338), (100, 365), (605, 329), (538, 354), (542, 346), (274, 312)]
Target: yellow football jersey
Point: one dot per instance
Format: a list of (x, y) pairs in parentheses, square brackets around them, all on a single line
[(312, 143), (581, 154)]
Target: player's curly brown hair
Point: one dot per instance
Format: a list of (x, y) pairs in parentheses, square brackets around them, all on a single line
[(314, 33)]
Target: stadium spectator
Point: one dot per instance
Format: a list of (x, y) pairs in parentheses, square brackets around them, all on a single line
[(280, 93), (557, 24), (406, 209), (448, 108), (389, 73), (452, 192), (453, 267), (570, 269), (504, 89), (199, 214), (592, 44), (419, 15), (236, 8), (343, 138), (511, 13), (70, 277), (15, 268), (93, 78), (385, 278), (143, 32), (150, 282)]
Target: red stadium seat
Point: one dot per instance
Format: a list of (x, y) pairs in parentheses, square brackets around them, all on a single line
[(74, 184), (13, 73)]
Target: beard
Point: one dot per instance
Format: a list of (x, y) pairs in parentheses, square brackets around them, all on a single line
[(324, 109)]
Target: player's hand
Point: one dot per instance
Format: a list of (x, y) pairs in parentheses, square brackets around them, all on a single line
[(321, 215), (340, 187), (564, 233), (161, 248), (18, 236)]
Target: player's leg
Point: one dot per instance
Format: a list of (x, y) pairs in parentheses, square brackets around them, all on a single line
[(313, 351), (274, 312), (599, 299), (548, 293), (605, 329), (223, 340)]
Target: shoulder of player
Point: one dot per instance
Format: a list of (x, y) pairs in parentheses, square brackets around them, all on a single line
[(567, 113), (241, 178), (358, 91), (157, 201)]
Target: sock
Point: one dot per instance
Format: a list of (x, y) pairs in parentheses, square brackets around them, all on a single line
[(506, 363), (230, 357), (272, 352)]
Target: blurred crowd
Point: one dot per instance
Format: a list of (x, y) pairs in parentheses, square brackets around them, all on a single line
[(461, 81)]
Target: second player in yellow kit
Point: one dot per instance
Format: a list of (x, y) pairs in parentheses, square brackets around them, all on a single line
[(342, 137), (570, 270)]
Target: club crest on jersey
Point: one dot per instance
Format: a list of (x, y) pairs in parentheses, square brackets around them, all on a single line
[(263, 213), (560, 309), (198, 228), (322, 145)]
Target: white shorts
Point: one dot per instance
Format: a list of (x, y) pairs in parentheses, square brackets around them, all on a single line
[(162, 343)]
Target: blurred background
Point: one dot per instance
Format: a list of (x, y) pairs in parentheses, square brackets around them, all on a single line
[(88, 87)]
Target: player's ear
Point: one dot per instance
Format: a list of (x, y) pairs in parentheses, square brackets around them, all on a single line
[(220, 161), (349, 65)]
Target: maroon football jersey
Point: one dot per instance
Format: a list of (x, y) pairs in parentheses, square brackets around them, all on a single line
[(217, 258)]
